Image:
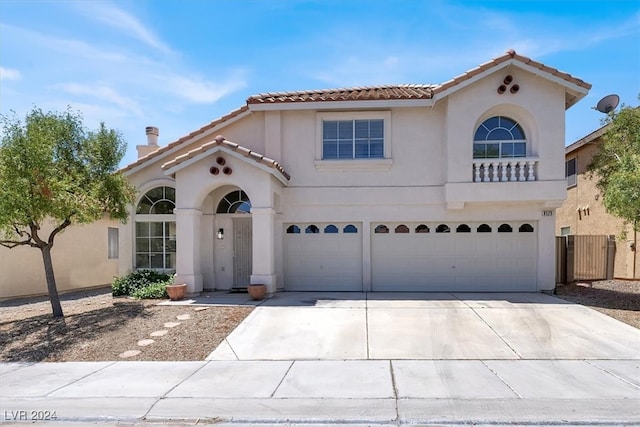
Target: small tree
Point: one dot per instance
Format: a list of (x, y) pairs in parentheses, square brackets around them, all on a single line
[(53, 171), (617, 166)]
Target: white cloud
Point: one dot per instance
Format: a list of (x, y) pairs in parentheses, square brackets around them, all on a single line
[(198, 90), (122, 20), (9, 74), (76, 49), (103, 93)]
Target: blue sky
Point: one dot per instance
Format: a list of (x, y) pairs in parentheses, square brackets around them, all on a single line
[(180, 64)]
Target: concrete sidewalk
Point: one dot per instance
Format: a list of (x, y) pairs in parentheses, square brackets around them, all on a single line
[(370, 392)]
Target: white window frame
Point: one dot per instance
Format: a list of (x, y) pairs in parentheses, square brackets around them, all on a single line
[(501, 142), (365, 164), (157, 218)]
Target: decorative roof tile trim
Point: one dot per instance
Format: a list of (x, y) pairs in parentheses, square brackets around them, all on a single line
[(359, 93), (406, 91), (177, 142), (220, 141), (510, 54)]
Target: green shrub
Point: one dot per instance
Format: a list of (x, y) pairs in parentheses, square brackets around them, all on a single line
[(137, 281), (153, 291)]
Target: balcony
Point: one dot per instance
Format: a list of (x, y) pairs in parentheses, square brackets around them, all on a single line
[(505, 170)]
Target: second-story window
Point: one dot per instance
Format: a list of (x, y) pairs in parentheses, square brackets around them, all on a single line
[(353, 139), (570, 167), (499, 137)]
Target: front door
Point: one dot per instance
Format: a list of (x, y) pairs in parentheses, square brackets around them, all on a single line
[(242, 252)]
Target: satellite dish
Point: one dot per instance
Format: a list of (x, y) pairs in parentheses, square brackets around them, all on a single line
[(608, 103)]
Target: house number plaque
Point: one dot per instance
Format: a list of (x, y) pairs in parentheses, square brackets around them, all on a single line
[(547, 213)]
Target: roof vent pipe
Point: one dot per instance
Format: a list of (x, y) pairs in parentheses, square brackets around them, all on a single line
[(514, 89), (152, 135)]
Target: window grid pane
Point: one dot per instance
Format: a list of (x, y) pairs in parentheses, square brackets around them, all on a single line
[(156, 245), (499, 137), (353, 139)]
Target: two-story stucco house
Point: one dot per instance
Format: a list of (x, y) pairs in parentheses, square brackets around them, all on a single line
[(445, 187)]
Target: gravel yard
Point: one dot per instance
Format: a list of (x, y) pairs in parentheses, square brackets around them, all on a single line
[(98, 327), (619, 299)]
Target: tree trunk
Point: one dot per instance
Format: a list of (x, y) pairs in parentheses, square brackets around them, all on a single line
[(51, 282)]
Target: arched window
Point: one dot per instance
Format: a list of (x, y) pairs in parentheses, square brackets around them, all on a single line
[(463, 228), (382, 229), (402, 229), (483, 228), (159, 200), (422, 229), (293, 229), (499, 137), (505, 228), (330, 229), (236, 201), (525, 228), (443, 228), (312, 229), (350, 229), (155, 228)]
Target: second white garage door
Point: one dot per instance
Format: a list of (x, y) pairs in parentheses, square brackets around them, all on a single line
[(323, 257), (469, 257)]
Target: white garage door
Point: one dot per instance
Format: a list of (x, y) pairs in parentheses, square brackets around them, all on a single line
[(323, 257), (469, 257)]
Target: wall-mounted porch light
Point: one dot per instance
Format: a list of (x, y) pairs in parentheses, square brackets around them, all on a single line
[(220, 233)]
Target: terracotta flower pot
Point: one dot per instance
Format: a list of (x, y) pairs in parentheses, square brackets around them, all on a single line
[(257, 291), (177, 292)]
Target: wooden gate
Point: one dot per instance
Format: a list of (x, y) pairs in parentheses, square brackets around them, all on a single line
[(584, 258)]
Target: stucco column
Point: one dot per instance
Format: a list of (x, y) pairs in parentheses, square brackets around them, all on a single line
[(547, 252), (264, 270), (188, 249)]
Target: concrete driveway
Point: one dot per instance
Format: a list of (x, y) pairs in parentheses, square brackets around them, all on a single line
[(301, 359), (432, 326)]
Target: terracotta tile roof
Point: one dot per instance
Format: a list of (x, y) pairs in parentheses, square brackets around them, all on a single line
[(220, 141), (371, 93), (193, 134), (510, 54), (364, 93)]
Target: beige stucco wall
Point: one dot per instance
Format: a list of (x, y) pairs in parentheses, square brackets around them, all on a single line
[(80, 260), (584, 212)]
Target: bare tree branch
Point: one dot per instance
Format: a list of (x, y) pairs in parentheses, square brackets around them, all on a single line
[(13, 243)]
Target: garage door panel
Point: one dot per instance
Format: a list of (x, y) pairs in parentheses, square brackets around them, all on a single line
[(323, 261), (454, 261)]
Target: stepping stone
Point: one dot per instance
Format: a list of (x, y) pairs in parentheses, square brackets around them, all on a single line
[(171, 324), (201, 308), (183, 317), (129, 353), (159, 333), (144, 343)]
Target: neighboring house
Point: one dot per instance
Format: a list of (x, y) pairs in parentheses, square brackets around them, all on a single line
[(84, 256), (446, 187), (583, 213)]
